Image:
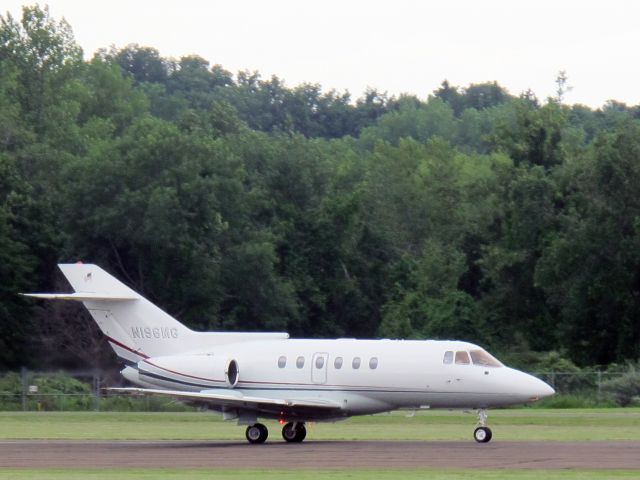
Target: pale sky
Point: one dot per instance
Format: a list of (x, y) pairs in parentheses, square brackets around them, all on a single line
[(397, 46)]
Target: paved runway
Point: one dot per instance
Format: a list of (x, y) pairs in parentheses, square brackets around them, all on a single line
[(319, 455)]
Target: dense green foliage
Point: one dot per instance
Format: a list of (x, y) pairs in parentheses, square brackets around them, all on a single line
[(239, 203), (626, 389), (58, 391)]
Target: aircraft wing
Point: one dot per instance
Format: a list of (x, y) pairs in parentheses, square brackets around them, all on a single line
[(236, 399)]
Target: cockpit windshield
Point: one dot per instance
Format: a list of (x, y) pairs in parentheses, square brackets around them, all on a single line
[(480, 357)]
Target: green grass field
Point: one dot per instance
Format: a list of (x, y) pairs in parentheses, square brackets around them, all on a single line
[(153, 474), (516, 424)]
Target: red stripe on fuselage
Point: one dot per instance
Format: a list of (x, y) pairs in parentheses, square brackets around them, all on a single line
[(146, 357), (128, 349)]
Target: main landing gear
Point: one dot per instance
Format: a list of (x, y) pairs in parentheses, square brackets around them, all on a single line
[(482, 433), (292, 432), (257, 433)]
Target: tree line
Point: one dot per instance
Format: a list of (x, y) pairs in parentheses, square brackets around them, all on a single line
[(239, 203)]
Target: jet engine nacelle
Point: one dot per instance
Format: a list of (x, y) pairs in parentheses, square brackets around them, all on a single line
[(205, 369)]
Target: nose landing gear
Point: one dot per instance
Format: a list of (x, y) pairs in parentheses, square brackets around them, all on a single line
[(482, 433)]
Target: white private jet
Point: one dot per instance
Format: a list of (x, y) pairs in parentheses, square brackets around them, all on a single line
[(250, 375)]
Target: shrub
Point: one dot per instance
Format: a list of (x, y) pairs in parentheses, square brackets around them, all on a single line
[(128, 403), (56, 391), (624, 390), (573, 401), (10, 391)]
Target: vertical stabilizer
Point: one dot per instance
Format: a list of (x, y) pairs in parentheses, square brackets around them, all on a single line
[(134, 326)]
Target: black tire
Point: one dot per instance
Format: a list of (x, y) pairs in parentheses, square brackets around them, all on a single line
[(289, 432), (301, 433), (294, 433), (257, 433), (482, 434)]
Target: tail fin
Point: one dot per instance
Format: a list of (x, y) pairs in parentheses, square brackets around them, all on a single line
[(135, 327)]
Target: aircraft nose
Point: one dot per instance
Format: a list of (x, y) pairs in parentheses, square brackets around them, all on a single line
[(545, 390), (536, 388)]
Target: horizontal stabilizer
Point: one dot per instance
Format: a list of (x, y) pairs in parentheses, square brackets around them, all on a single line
[(233, 398), (80, 296)]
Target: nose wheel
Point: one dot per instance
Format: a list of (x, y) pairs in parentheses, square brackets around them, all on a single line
[(294, 432), (256, 433), (482, 433)]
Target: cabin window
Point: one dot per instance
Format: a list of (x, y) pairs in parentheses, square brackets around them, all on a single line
[(300, 362), (482, 358), (373, 363), (448, 358), (319, 362), (356, 363), (337, 363), (462, 358), (282, 361)]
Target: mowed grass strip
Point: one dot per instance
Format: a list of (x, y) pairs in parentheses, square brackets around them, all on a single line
[(513, 424), (119, 474)]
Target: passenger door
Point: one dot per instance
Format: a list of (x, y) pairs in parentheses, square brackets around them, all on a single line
[(319, 368)]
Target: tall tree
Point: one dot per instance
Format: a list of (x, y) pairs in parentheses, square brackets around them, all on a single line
[(590, 268), (144, 64), (46, 57)]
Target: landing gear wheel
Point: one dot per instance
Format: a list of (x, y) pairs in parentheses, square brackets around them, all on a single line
[(482, 434), (302, 433), (257, 433), (294, 432)]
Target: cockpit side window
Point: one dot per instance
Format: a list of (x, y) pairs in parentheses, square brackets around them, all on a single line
[(482, 358), (462, 358), (448, 358)]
